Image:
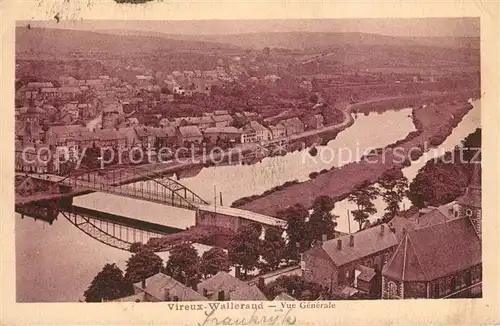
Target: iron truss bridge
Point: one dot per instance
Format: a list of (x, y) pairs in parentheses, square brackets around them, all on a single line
[(130, 182), (113, 230)]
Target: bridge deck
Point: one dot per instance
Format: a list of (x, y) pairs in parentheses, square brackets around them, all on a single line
[(248, 215), (161, 198)]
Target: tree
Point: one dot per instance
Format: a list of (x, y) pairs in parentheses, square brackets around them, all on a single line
[(322, 221), (136, 247), (244, 248), (296, 230), (394, 188), (437, 183), (108, 284), (273, 249), (183, 263), (141, 265), (214, 261), (363, 199)]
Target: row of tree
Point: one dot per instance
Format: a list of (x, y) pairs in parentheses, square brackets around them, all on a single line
[(184, 265)]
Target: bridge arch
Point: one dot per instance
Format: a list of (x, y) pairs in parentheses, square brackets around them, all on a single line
[(131, 182), (110, 233)]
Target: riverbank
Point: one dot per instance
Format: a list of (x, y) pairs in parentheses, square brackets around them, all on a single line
[(303, 140), (433, 122)]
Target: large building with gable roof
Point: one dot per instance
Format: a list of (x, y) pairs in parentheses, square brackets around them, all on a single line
[(442, 260)]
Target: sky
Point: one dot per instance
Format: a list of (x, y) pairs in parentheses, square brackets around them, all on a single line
[(416, 27)]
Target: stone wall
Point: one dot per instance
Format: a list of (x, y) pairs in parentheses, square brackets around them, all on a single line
[(318, 270), (205, 218)]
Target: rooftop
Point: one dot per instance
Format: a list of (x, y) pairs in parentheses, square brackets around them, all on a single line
[(247, 293), (190, 131), (221, 118), (435, 251), (218, 282), (366, 242), (160, 286), (226, 130)]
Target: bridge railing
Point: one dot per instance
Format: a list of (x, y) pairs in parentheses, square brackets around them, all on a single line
[(162, 190)]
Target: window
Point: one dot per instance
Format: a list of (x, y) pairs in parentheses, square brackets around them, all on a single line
[(393, 289), (468, 212)]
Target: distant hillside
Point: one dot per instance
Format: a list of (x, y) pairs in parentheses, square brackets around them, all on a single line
[(65, 41), (306, 40)]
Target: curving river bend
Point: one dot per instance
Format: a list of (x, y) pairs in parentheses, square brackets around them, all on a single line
[(56, 263)]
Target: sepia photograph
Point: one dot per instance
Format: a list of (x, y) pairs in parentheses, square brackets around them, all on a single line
[(257, 160)]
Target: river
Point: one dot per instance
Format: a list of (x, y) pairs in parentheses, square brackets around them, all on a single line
[(57, 262)]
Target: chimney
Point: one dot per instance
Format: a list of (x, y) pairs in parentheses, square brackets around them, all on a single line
[(351, 240), (166, 295), (205, 292), (220, 296), (195, 286), (143, 283), (237, 272), (382, 229), (339, 244), (261, 284), (324, 238)]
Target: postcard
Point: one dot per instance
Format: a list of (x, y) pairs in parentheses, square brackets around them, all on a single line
[(215, 163)]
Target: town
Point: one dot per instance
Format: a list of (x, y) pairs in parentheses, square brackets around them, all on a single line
[(109, 118)]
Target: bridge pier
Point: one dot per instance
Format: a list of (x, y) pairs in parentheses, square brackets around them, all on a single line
[(208, 218)]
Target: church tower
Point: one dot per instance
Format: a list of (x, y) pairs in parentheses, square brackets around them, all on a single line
[(470, 202)]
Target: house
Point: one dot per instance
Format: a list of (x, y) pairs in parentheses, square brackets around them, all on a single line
[(146, 136), (251, 115), (442, 260), (278, 131), (112, 107), (202, 86), (49, 92), (86, 110), (422, 218), (223, 120), (221, 281), (58, 135), (164, 122), (40, 85), (67, 92), (336, 262), (133, 121), (227, 134), (111, 138), (306, 84), (189, 134), (68, 80), (247, 293), (221, 112), (293, 126), (161, 287), (201, 122), (316, 122), (165, 136), (31, 157), (254, 132), (69, 112)]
